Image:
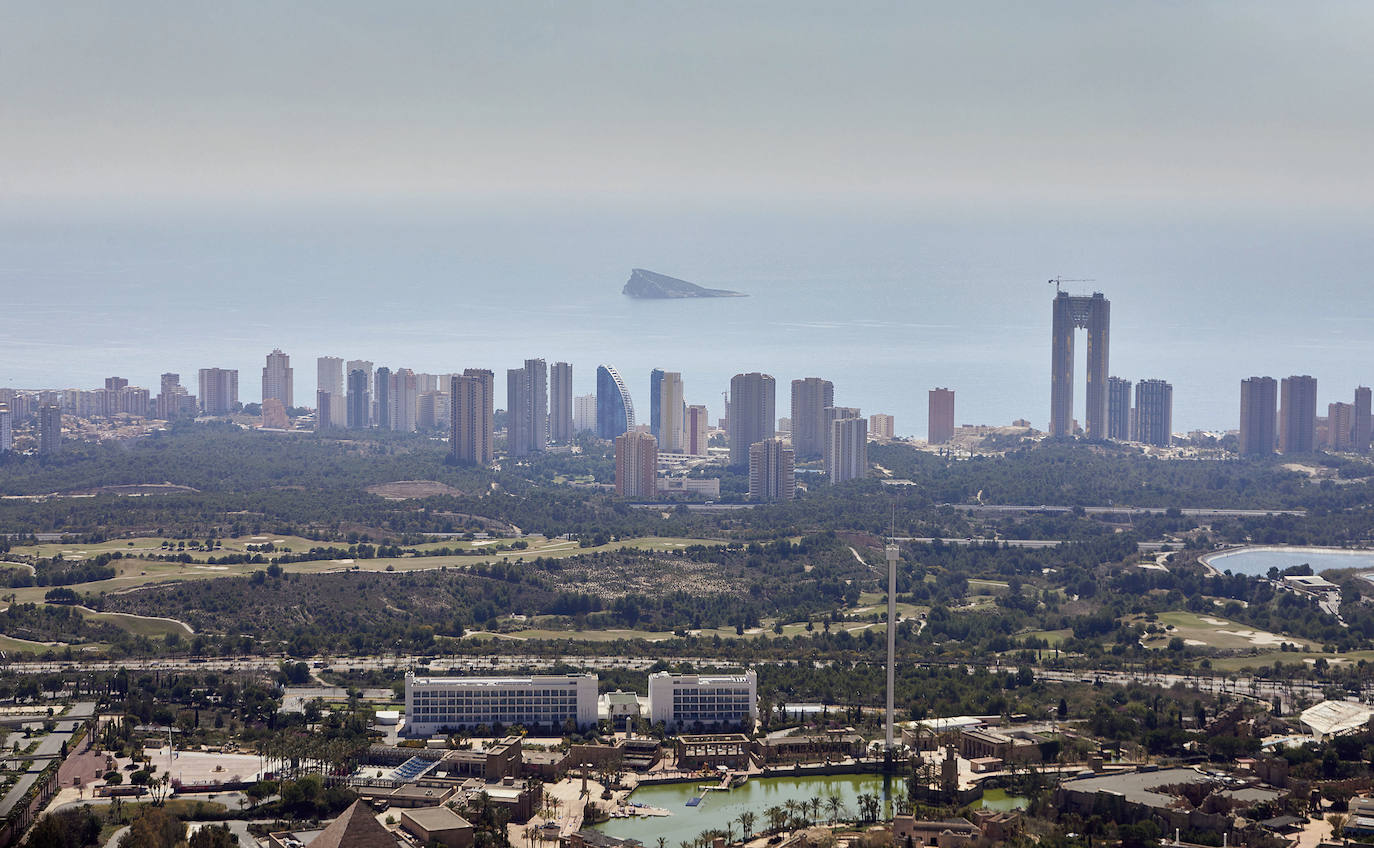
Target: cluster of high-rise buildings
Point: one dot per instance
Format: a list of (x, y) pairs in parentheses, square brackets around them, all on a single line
[(48, 424), (1275, 415), (1147, 417), (218, 395), (116, 400), (542, 411), (353, 394), (1281, 415), (1110, 412), (819, 430)]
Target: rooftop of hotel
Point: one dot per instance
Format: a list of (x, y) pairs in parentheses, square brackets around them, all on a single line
[(542, 679), (741, 677)]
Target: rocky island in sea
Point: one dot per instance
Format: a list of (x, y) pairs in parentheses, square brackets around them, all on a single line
[(647, 284)]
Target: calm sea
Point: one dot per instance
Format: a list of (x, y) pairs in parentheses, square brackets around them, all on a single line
[(885, 304)]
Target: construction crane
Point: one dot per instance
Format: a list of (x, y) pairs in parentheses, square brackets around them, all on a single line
[(1058, 280)]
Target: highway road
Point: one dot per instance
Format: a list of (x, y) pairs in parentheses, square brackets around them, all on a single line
[(1195, 512), (1015, 543)]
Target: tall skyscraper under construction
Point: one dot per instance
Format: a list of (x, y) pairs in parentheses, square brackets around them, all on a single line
[(1071, 313)]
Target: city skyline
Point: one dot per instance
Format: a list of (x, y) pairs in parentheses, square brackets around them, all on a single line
[(419, 598), (424, 390)]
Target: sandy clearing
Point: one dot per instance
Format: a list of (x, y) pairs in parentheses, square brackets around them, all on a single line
[(1258, 638)]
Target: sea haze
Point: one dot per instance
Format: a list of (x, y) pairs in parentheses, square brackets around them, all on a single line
[(886, 304)]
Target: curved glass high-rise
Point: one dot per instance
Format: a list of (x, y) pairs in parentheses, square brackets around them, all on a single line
[(615, 412)]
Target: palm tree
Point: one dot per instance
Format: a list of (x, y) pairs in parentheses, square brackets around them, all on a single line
[(662, 842), (868, 807), (832, 805), (793, 807), (815, 805), (746, 824), (777, 816)]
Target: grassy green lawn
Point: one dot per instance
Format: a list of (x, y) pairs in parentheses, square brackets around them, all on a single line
[(573, 635), (1053, 637), (152, 546), (11, 645), (1294, 657), (134, 573), (1212, 631), (873, 602)]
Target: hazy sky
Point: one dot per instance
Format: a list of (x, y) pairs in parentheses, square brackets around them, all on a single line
[(1234, 105)]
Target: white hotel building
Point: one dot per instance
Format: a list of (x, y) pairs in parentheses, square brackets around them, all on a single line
[(437, 704), (682, 700)]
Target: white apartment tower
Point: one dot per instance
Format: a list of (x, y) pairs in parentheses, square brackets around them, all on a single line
[(772, 473), (405, 400), (277, 378), (219, 390), (329, 374), (584, 413), (848, 457)]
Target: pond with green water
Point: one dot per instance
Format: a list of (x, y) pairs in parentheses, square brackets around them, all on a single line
[(722, 809), (998, 799)]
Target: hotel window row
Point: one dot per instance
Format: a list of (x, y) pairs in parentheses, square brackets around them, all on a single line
[(434, 704), (683, 700)]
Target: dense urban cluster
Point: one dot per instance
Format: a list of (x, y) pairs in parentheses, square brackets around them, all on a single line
[(406, 617)]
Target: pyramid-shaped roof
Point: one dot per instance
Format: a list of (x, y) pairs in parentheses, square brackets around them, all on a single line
[(356, 828)]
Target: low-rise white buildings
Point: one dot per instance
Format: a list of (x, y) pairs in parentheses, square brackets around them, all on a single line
[(686, 700), (704, 486), (440, 704)]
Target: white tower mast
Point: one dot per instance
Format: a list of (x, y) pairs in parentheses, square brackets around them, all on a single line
[(892, 554)]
